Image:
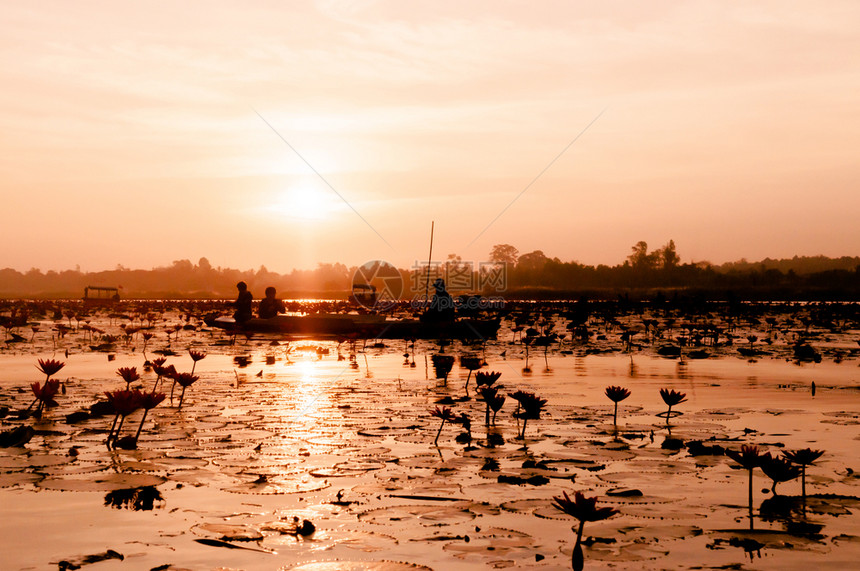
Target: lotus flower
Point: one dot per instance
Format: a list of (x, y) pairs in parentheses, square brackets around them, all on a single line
[(466, 422), (128, 374), (196, 356), (472, 363), (147, 335), (496, 404), (530, 406), (45, 394), (778, 470), (185, 380), (671, 398), (124, 403), (803, 458), (50, 367), (445, 414), (616, 394), (487, 378), (584, 509), (488, 394), (749, 458), (170, 372)]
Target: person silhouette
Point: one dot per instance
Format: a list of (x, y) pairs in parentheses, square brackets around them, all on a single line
[(270, 306), (442, 305), (243, 304)]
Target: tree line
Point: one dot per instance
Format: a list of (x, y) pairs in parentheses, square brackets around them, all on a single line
[(505, 273)]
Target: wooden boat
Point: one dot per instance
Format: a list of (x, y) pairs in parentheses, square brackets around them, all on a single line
[(364, 326), (98, 295)]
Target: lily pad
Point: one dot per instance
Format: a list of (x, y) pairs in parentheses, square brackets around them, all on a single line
[(358, 565), (100, 483)]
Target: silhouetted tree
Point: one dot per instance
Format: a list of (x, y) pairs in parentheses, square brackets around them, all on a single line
[(504, 254), (668, 256), (532, 262), (640, 259)]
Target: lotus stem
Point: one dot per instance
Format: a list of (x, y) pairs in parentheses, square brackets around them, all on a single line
[(578, 559), (436, 441), (803, 481), (118, 428), (751, 497), (112, 426), (140, 426)]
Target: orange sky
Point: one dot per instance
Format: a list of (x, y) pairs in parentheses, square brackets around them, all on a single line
[(129, 132)]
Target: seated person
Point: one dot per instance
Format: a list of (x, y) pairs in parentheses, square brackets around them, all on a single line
[(270, 306), (243, 304), (442, 306)]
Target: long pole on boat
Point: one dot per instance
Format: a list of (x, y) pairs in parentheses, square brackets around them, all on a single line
[(429, 261)]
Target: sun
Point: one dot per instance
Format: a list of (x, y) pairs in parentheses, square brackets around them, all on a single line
[(307, 203)]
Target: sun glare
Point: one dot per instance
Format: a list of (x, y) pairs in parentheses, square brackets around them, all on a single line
[(306, 203)]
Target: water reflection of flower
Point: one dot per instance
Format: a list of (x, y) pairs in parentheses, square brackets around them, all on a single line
[(136, 499), (442, 364)]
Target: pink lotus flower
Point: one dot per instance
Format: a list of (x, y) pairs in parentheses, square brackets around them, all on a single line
[(124, 403), (196, 356), (185, 380), (50, 366), (45, 394), (128, 374)]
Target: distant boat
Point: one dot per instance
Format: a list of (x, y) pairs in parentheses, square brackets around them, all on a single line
[(98, 295)]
